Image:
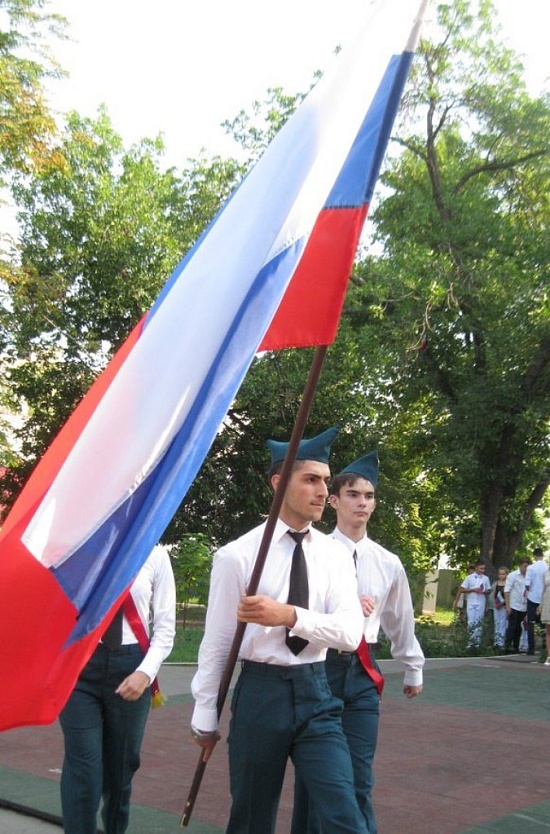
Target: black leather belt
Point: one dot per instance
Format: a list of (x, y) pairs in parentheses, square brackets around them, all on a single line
[(338, 653), (296, 670)]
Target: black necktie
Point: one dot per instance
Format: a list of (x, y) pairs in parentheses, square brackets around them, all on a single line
[(113, 634), (298, 591)]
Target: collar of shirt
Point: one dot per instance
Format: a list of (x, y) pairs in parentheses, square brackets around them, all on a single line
[(352, 546), (281, 528)]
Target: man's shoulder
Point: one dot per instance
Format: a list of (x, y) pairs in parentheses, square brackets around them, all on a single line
[(327, 542), (159, 555), (382, 554), (242, 543)]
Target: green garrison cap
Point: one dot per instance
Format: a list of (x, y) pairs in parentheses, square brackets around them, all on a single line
[(313, 448), (366, 467)]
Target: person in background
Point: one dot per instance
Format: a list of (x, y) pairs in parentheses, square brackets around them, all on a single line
[(459, 600), (523, 641), (534, 583), (544, 613), (477, 588), (516, 605), (498, 605), (104, 719), (354, 677), (282, 706)]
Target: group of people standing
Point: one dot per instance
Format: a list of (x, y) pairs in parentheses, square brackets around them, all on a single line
[(516, 598)]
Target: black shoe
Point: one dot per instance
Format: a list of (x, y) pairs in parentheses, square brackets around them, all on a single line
[(531, 653)]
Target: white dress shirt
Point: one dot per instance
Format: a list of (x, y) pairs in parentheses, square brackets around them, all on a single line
[(474, 581), (515, 586), (381, 575), (334, 617), (534, 580), (154, 593)]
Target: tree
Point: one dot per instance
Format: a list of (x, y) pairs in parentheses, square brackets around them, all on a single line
[(26, 124), (441, 360), (460, 286), (192, 562), (99, 237), (254, 130), (27, 128), (442, 354)]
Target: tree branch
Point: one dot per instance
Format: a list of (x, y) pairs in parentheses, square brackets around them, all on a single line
[(497, 166), (417, 150)]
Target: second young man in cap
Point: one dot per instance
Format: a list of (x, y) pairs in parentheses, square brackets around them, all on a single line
[(354, 677), (282, 706)]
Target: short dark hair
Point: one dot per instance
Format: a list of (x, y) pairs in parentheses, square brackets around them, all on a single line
[(342, 480)]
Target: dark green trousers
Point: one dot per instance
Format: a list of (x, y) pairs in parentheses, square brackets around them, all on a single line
[(351, 685), (281, 713), (103, 735)]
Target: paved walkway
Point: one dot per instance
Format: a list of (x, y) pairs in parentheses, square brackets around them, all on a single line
[(470, 756)]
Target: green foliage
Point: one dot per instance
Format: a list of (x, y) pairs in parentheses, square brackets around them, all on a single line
[(26, 124), (441, 361), (442, 356), (459, 295), (440, 636), (254, 130), (444, 639), (100, 235), (191, 563)]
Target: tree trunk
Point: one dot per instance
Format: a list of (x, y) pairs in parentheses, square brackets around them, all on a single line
[(491, 504)]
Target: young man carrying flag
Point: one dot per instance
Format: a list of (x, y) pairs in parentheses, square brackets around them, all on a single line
[(282, 706)]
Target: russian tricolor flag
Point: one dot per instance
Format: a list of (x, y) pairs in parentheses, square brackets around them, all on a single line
[(270, 272)]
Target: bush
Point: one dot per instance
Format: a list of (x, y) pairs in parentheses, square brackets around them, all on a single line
[(444, 634), (191, 563)]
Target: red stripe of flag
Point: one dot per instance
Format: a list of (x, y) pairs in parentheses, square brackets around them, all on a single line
[(310, 309)]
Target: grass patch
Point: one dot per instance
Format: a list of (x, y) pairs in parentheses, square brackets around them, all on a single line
[(186, 644), (442, 634)]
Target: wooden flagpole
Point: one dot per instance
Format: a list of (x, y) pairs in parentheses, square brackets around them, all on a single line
[(286, 471)]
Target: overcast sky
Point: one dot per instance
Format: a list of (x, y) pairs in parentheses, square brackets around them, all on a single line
[(180, 67)]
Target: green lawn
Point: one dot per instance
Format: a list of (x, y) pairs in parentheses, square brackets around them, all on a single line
[(186, 644)]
